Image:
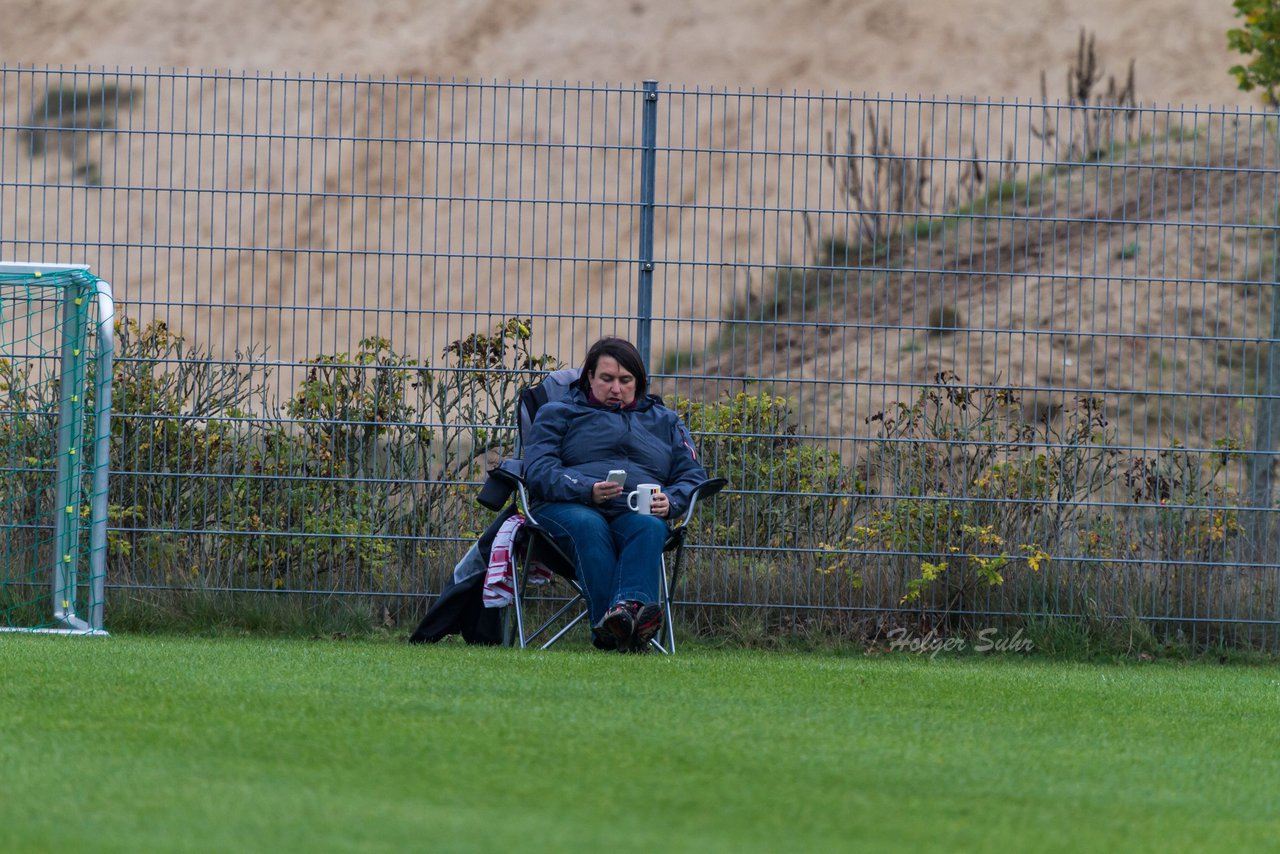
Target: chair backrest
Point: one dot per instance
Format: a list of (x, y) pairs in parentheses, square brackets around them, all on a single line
[(502, 480), (553, 386)]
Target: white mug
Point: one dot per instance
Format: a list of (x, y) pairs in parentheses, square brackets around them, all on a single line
[(641, 500)]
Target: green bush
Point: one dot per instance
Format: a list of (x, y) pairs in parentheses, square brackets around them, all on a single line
[(169, 401), (363, 480), (1186, 503), (26, 441), (785, 492), (1259, 41), (968, 489), (356, 482)]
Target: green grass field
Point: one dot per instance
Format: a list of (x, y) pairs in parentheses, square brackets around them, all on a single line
[(135, 743)]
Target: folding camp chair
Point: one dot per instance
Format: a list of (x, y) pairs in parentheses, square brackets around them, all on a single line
[(535, 546)]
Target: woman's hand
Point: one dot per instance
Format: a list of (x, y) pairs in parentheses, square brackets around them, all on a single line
[(605, 490)]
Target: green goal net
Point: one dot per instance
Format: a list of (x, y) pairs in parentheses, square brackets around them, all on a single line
[(56, 327)]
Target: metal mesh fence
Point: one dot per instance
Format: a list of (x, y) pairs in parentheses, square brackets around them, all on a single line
[(959, 359)]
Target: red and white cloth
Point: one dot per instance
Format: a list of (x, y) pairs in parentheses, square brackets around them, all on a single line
[(499, 579)]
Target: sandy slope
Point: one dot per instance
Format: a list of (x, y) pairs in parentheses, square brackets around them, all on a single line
[(957, 47), (990, 48)]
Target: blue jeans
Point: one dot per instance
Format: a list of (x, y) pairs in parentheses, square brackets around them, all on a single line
[(617, 559)]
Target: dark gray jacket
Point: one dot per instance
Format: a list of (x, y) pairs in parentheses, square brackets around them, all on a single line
[(573, 444)]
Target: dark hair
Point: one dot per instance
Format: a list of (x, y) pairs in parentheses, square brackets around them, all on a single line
[(627, 357)]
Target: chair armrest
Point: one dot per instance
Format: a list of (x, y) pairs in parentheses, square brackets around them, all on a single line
[(701, 492), (504, 479), (510, 473)]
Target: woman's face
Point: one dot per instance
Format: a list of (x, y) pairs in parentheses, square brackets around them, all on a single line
[(612, 384)]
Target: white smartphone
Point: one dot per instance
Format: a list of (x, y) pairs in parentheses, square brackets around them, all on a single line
[(618, 476)]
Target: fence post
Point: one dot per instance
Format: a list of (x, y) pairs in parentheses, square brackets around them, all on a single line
[(648, 169), (1266, 424)]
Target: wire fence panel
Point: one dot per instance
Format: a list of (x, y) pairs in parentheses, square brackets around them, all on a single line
[(1000, 358), (960, 360)]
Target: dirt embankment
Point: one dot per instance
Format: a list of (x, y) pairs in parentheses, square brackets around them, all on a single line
[(1101, 277), (1138, 280)]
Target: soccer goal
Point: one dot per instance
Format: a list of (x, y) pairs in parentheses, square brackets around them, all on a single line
[(56, 347)]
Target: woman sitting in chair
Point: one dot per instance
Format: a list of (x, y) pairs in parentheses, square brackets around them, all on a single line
[(609, 422)]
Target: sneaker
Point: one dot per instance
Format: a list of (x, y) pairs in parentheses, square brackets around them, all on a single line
[(601, 639), (648, 622), (619, 622)]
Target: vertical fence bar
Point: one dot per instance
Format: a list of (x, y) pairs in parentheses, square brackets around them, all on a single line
[(648, 166), (1266, 424)]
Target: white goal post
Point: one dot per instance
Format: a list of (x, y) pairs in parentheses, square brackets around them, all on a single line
[(56, 326)]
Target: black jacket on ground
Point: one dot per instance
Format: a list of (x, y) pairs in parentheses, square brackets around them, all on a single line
[(460, 608)]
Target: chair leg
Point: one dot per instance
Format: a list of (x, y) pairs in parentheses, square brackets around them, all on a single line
[(564, 609), (508, 620), (666, 613), (529, 637), (567, 626), (518, 597)]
